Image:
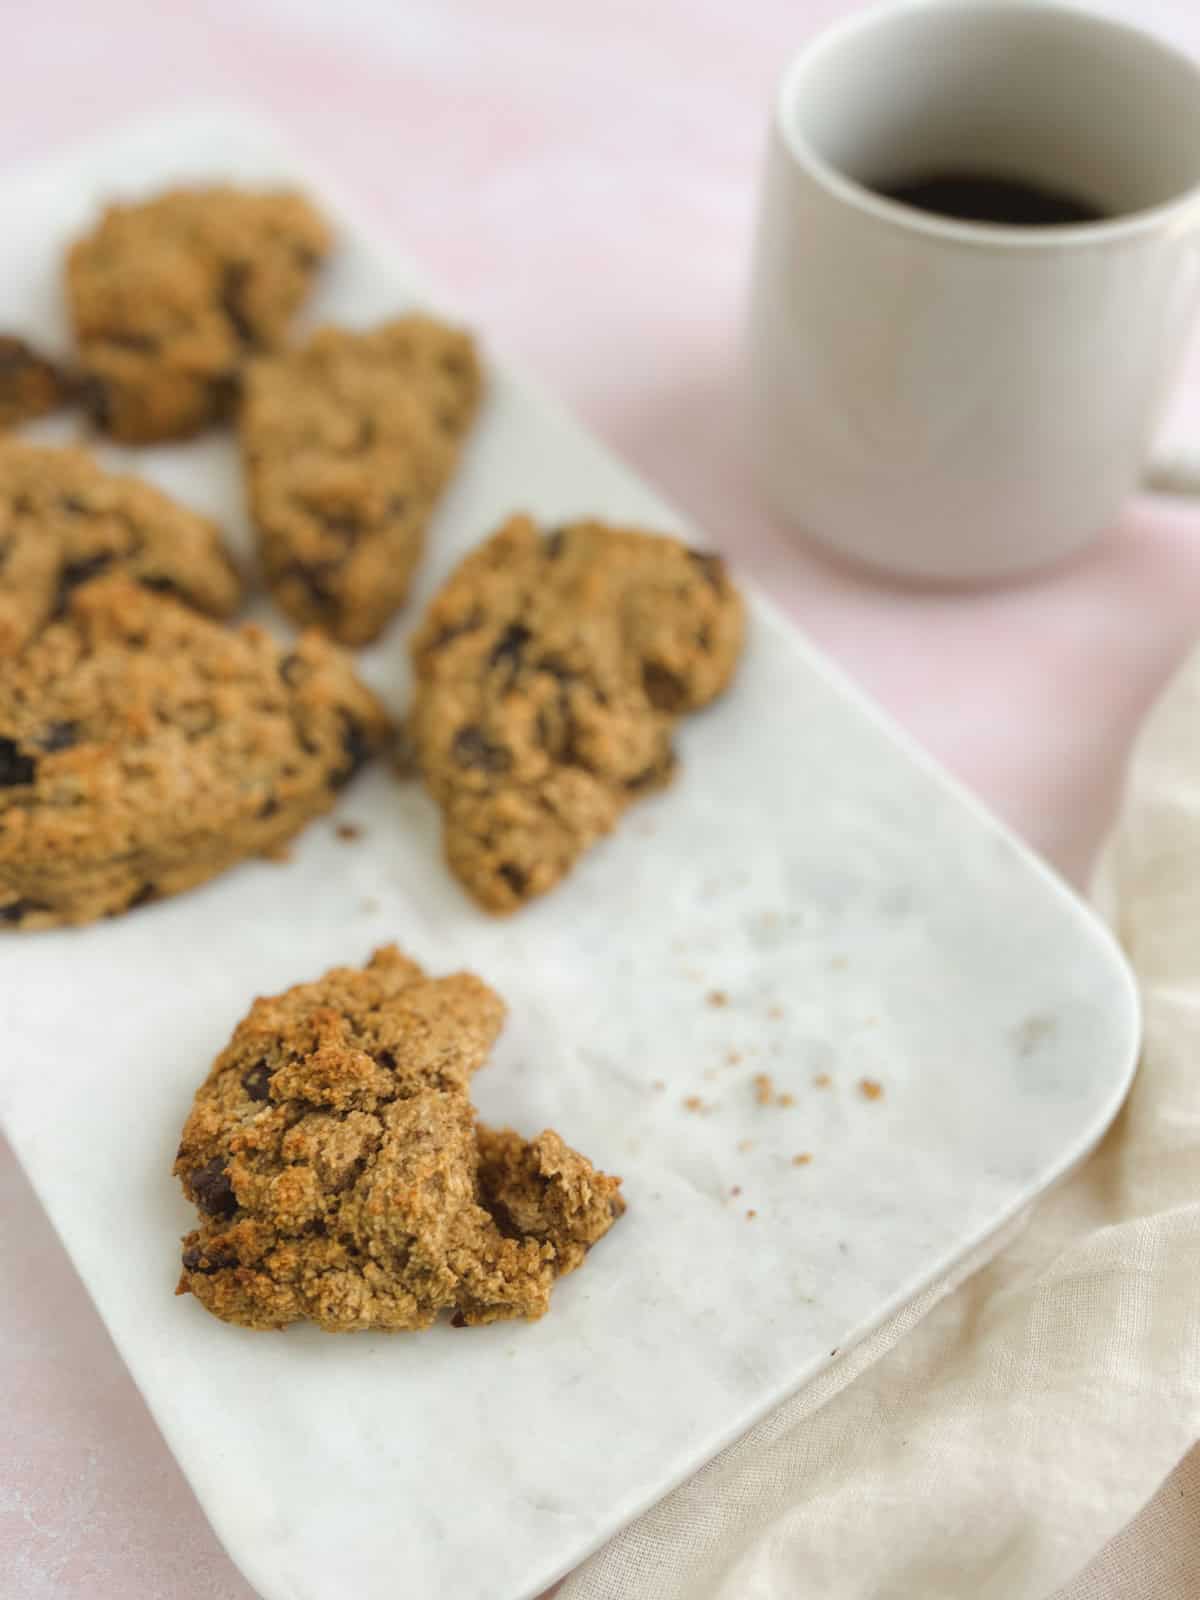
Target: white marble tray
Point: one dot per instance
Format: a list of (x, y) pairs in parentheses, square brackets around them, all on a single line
[(863, 917)]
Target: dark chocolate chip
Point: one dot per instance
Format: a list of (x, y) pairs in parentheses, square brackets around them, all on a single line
[(15, 768), (142, 896), (95, 397), (75, 573), (197, 1260), (293, 669), (510, 646), (556, 541), (664, 690), (515, 877), (144, 342), (256, 1081), (704, 636), (452, 630), (159, 583), (458, 1320), (213, 1191), (556, 667), (711, 565), (343, 525), (268, 808), (314, 576), (224, 393), (234, 281), (387, 1059), (472, 748), (357, 748), (60, 736), (17, 910)]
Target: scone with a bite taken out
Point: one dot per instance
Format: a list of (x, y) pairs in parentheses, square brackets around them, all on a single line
[(341, 1176)]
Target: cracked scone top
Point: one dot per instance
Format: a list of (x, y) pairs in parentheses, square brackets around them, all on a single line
[(144, 749), (341, 1176), (551, 670), (64, 521), (170, 296)]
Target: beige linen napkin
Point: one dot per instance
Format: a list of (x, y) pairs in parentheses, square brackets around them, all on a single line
[(996, 1434)]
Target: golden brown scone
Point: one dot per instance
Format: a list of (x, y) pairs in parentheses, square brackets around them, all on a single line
[(171, 296), (144, 749), (64, 522), (551, 670), (30, 384), (341, 1176), (348, 442)]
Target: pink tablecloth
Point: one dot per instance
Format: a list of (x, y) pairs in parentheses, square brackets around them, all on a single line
[(584, 179)]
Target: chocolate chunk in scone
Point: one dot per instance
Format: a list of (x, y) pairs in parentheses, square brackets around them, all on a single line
[(550, 672), (30, 384), (144, 749), (64, 522), (341, 1177), (348, 442), (171, 296)]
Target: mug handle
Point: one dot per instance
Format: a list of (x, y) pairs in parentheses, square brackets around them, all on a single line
[(1173, 472)]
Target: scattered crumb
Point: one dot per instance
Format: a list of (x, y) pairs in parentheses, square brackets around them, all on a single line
[(717, 997), (750, 1215), (710, 1073), (745, 1144), (734, 1058), (869, 1089), (737, 1189), (839, 963), (348, 831), (775, 1013), (694, 1103), (765, 1092), (822, 1080), (802, 1159), (370, 904), (658, 1084)]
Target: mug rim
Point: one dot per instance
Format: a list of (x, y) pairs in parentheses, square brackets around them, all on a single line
[(958, 230)]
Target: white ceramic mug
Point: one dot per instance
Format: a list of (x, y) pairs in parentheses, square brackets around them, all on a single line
[(957, 400)]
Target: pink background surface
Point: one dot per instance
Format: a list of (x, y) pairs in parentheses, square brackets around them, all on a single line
[(582, 178)]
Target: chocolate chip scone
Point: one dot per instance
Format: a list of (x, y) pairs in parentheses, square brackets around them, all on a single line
[(144, 749), (348, 441), (550, 672), (30, 384), (169, 297), (341, 1176), (64, 522)]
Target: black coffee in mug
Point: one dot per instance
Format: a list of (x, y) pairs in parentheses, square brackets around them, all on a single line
[(983, 197)]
